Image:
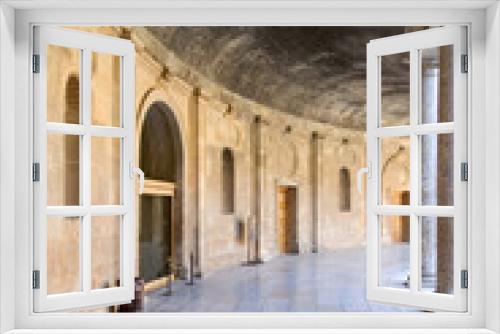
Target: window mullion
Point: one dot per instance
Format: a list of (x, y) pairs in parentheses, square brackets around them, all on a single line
[(86, 106), (414, 170), (80, 130)]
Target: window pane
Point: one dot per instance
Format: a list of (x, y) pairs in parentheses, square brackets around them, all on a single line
[(105, 170), (63, 254), (63, 169), (395, 89), (394, 251), (437, 84), (395, 170), (437, 169), (105, 251), (437, 254), (106, 72), (63, 84)]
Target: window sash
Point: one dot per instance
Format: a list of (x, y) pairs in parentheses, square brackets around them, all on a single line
[(413, 43), (87, 297)]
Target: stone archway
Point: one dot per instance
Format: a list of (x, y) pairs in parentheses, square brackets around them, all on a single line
[(161, 158)]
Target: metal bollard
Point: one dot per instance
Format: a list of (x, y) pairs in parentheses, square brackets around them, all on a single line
[(191, 270), (170, 279)]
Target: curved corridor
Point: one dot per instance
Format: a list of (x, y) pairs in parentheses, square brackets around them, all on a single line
[(324, 282)]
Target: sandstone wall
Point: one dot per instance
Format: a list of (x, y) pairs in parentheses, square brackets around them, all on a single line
[(211, 119)]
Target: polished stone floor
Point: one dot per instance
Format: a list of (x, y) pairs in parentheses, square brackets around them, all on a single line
[(325, 282)]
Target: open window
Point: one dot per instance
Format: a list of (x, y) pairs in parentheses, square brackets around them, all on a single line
[(427, 205), (77, 151)]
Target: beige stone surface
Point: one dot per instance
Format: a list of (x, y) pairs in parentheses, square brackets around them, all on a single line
[(210, 119)]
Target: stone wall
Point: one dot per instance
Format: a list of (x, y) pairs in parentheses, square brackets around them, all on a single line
[(270, 148)]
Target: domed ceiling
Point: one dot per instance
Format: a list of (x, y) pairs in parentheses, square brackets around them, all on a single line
[(313, 72)]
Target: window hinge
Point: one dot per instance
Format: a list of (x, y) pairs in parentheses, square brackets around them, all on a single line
[(36, 172), (464, 279), (36, 279), (36, 63), (465, 64), (464, 171)]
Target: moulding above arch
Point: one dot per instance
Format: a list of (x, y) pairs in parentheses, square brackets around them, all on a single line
[(152, 95)]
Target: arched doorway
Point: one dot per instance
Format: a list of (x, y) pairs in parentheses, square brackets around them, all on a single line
[(160, 224)]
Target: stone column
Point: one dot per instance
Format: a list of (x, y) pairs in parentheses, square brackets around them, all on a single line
[(444, 177), (257, 140), (254, 241), (437, 174), (315, 163), (194, 191), (202, 181)]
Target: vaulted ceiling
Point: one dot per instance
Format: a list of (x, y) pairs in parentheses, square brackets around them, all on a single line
[(313, 72)]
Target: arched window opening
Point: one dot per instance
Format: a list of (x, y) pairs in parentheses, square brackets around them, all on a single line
[(227, 181), (344, 190), (72, 143), (160, 156)]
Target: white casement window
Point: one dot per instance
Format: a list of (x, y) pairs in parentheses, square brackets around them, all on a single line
[(75, 154), (430, 141), (30, 211)]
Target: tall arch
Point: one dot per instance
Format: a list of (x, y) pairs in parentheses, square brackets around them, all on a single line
[(161, 215)]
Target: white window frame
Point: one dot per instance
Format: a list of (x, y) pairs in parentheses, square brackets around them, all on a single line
[(87, 44), (413, 43), (483, 17)]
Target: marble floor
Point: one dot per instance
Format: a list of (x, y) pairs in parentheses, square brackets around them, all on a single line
[(324, 282)]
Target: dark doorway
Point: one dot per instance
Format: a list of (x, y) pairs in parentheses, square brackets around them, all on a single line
[(160, 226), (155, 237)]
